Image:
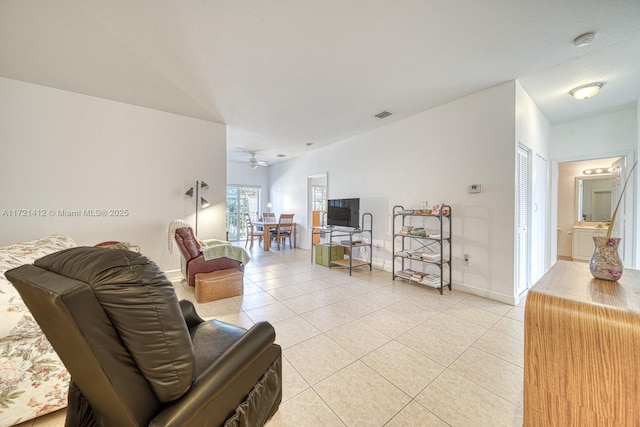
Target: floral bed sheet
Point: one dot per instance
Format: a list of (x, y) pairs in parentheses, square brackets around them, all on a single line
[(33, 380)]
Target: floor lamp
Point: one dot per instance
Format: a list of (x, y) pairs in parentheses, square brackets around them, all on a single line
[(200, 201)]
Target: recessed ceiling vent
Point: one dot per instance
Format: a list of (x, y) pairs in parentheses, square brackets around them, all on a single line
[(282, 155), (383, 114)]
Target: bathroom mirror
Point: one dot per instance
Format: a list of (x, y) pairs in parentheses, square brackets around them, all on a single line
[(593, 198)]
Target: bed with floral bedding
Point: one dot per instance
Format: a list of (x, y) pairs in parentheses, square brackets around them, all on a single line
[(33, 380)]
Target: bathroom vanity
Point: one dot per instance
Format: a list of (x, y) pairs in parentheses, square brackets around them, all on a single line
[(582, 240)]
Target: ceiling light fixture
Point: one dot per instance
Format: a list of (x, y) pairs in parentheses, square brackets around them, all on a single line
[(254, 163), (586, 91), (597, 171)]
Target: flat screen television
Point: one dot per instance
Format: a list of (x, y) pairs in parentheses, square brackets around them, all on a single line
[(343, 212)]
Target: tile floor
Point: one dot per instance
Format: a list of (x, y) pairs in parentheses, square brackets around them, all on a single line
[(363, 350)]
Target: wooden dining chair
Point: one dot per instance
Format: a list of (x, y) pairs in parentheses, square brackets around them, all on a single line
[(268, 217), (284, 230), (252, 233)]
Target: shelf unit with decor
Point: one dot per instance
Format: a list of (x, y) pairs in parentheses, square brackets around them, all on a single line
[(421, 246), (355, 242)]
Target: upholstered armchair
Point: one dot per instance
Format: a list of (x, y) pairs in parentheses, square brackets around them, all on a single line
[(194, 262), (137, 356)]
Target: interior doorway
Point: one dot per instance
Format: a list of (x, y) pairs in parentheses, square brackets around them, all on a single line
[(575, 202), (318, 190)]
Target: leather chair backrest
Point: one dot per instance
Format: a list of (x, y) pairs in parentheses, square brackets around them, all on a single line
[(114, 319), (187, 242)]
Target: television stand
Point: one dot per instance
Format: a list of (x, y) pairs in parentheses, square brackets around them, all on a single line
[(357, 243)]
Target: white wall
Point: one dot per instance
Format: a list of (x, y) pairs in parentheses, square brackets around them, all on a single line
[(67, 151), (432, 156), (595, 136), (607, 135)]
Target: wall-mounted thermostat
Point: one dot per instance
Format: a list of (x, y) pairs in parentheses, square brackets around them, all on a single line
[(475, 188)]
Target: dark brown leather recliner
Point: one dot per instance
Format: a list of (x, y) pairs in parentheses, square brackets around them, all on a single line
[(139, 357), (194, 261)]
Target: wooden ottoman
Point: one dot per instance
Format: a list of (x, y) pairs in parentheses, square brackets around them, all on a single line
[(219, 284)]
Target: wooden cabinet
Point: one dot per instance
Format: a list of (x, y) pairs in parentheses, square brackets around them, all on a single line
[(582, 240), (582, 349)]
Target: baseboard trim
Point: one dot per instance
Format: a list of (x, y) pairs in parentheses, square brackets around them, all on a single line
[(173, 275), (486, 294)]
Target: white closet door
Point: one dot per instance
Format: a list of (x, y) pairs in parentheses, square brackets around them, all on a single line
[(522, 220)]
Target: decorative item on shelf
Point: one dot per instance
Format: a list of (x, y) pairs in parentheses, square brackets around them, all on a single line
[(406, 230), (418, 231), (605, 262), (440, 208)]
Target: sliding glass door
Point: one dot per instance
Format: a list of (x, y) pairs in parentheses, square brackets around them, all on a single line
[(240, 200)]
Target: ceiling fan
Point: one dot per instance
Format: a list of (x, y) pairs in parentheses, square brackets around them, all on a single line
[(253, 163)]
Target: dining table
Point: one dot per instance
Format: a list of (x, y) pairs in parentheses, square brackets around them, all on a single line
[(267, 226)]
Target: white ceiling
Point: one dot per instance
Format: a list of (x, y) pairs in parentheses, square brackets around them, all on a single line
[(282, 74)]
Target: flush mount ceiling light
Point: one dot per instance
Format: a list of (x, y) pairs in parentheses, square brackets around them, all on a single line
[(586, 91)]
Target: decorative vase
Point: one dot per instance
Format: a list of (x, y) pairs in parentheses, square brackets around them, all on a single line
[(605, 263)]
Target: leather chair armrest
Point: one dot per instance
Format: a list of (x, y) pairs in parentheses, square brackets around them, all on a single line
[(219, 382), (189, 313)]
